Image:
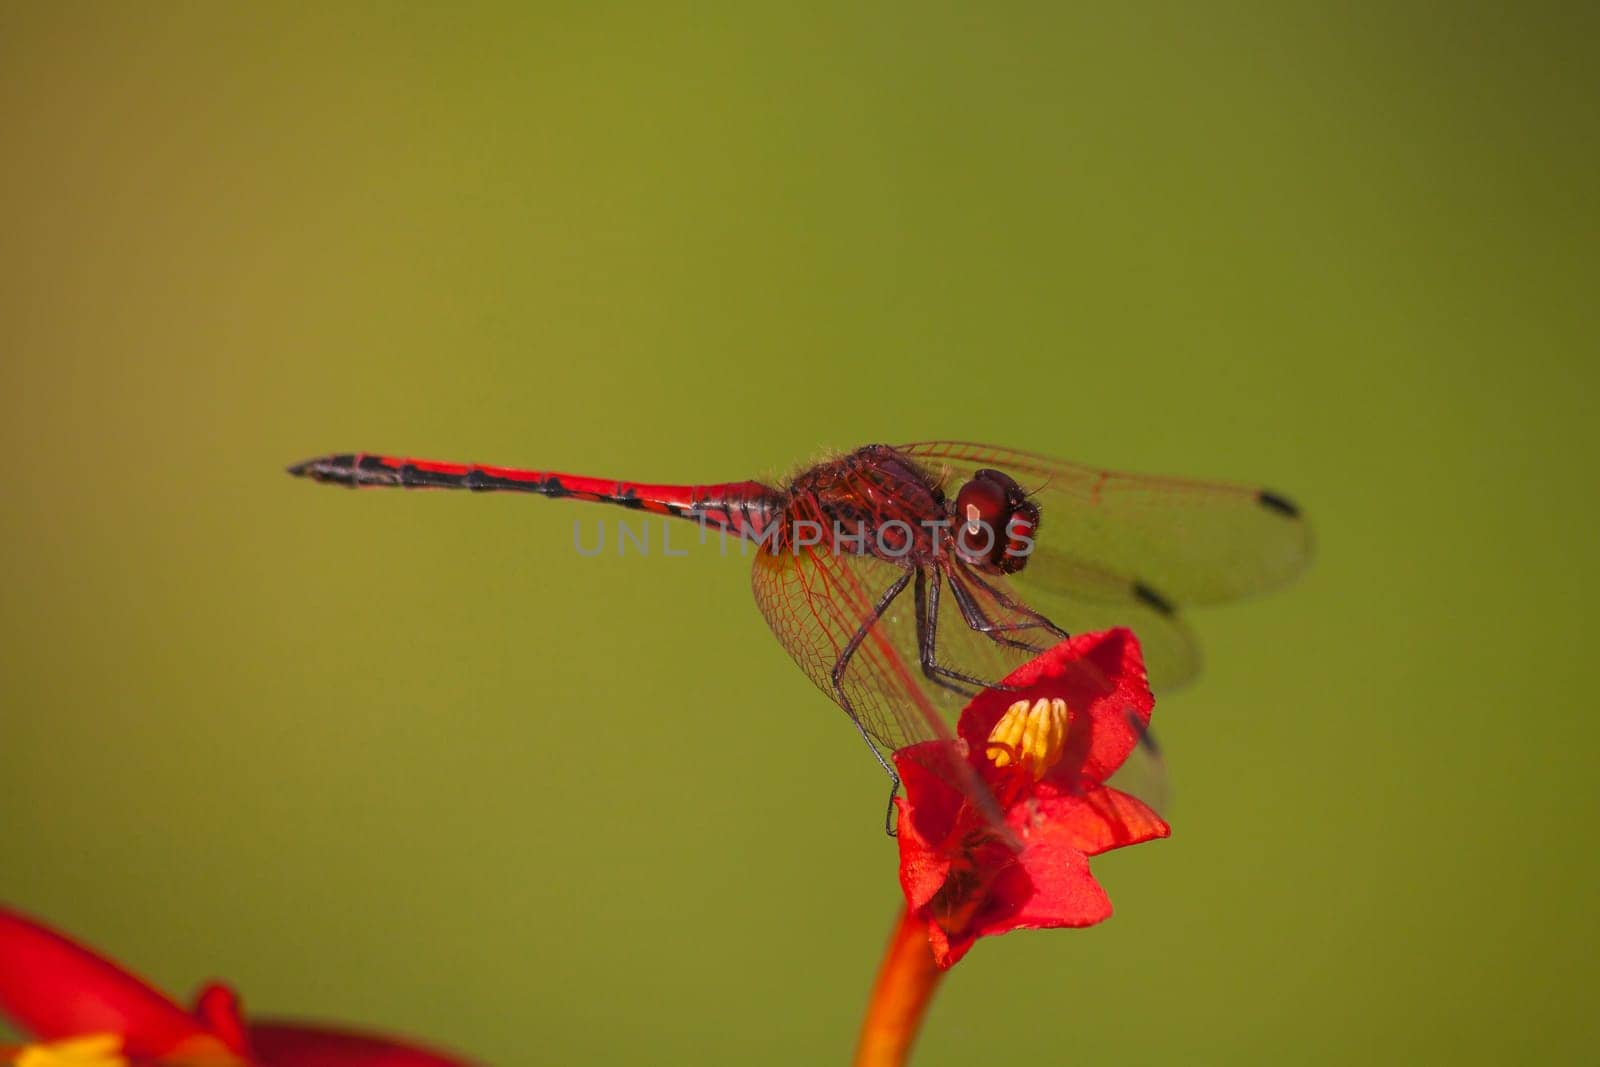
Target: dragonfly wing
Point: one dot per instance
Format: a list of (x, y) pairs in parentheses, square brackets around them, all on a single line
[(1186, 542), (1144, 774), (815, 601), (1080, 597)]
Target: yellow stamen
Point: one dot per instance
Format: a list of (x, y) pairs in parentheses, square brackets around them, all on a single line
[(1032, 734), (94, 1050)]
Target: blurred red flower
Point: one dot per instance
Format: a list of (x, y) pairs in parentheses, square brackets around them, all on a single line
[(1043, 744), (83, 1010)]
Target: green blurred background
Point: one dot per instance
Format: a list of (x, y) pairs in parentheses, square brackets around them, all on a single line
[(406, 760)]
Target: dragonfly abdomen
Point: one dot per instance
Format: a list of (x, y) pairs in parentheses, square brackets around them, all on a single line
[(737, 507)]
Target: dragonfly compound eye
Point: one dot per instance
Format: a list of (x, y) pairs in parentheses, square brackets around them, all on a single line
[(994, 522)]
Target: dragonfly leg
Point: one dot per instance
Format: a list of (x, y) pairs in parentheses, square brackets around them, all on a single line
[(1010, 603), (888, 812), (972, 612), (927, 603), (927, 600), (842, 664)]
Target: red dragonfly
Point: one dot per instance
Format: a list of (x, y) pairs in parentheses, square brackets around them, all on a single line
[(1026, 548)]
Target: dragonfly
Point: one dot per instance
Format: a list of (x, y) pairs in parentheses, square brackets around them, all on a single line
[(903, 579)]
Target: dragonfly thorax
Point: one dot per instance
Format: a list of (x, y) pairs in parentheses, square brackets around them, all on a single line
[(871, 502), (877, 501)]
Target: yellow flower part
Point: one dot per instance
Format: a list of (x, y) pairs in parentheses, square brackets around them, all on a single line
[(95, 1050), (1032, 734)]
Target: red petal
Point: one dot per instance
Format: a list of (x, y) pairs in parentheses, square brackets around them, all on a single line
[(931, 800), (280, 1044), (1064, 892), (923, 865), (217, 1006), (1048, 885), (947, 950), (1100, 820), (1101, 676), (54, 988)]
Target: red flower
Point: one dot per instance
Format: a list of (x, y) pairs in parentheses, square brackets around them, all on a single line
[(88, 1012), (1043, 744)]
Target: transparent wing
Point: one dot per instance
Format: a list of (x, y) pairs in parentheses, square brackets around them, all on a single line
[(817, 603), (1080, 598), (1128, 550), (1182, 542), (1144, 773)]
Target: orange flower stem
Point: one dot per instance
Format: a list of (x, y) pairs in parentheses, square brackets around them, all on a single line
[(906, 982)]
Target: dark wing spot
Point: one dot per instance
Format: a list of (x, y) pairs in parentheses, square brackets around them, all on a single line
[(1147, 739), (1153, 599), (1281, 504)]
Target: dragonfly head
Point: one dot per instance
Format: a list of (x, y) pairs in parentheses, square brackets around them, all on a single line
[(994, 523)]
